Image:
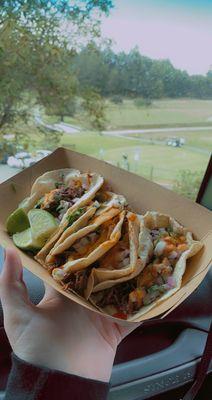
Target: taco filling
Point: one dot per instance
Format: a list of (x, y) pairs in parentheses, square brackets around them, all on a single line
[(60, 199), (119, 256), (86, 244), (156, 278), (77, 281)]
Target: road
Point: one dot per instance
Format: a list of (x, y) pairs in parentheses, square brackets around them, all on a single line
[(59, 127), (72, 129), (158, 130)]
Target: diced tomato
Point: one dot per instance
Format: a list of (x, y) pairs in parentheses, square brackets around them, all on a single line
[(120, 315)]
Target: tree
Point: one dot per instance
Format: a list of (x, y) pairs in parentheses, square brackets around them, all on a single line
[(93, 105), (91, 69), (57, 85), (33, 52)]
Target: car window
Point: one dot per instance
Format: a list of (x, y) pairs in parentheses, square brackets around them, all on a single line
[(128, 82)]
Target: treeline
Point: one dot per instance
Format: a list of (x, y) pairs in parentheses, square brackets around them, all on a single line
[(135, 75), (43, 70)]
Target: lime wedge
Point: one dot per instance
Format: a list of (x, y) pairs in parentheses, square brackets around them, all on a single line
[(17, 221), (24, 240), (43, 224)]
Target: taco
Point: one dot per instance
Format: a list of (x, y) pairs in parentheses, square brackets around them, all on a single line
[(84, 247), (61, 193), (77, 219), (59, 190), (120, 260), (166, 245)]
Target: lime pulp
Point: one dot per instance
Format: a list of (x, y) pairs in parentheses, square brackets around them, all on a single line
[(17, 221)]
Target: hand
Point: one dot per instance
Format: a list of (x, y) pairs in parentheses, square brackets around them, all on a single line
[(57, 333)]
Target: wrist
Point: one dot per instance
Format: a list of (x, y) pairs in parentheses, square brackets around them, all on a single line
[(96, 364), (93, 364)]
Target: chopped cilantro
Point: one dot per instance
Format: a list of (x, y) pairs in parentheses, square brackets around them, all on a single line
[(58, 184), (153, 288), (74, 216), (39, 203)]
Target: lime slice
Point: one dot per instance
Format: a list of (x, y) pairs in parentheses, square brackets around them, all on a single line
[(24, 240), (17, 221), (43, 224)]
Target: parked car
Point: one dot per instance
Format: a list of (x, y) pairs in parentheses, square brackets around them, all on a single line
[(42, 153), (24, 159), (175, 142), (21, 160)]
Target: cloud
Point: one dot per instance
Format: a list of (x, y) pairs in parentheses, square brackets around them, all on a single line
[(163, 32)]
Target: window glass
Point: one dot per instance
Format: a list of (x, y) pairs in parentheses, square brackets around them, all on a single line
[(129, 82)]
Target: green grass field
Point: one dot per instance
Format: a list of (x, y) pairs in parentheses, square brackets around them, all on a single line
[(160, 163), (157, 162), (200, 139), (162, 112)]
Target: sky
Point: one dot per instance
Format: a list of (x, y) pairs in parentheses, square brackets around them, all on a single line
[(179, 30)]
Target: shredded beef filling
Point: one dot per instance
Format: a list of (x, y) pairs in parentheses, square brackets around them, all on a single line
[(78, 281), (118, 296), (68, 194)]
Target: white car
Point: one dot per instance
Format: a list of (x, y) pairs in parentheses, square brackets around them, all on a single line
[(42, 153), (24, 159), (21, 160)]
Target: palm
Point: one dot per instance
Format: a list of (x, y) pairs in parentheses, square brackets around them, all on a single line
[(59, 333)]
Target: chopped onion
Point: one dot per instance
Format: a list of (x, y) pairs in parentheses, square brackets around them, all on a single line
[(171, 281), (159, 248), (75, 200), (173, 255)]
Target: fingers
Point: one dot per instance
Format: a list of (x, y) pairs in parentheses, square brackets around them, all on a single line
[(13, 291)]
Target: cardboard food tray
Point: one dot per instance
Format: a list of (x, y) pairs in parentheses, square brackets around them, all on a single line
[(142, 195)]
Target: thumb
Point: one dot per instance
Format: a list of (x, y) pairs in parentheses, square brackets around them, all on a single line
[(13, 291)]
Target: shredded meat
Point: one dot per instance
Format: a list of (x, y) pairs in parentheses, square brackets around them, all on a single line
[(52, 199), (71, 192), (78, 281), (118, 296)]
